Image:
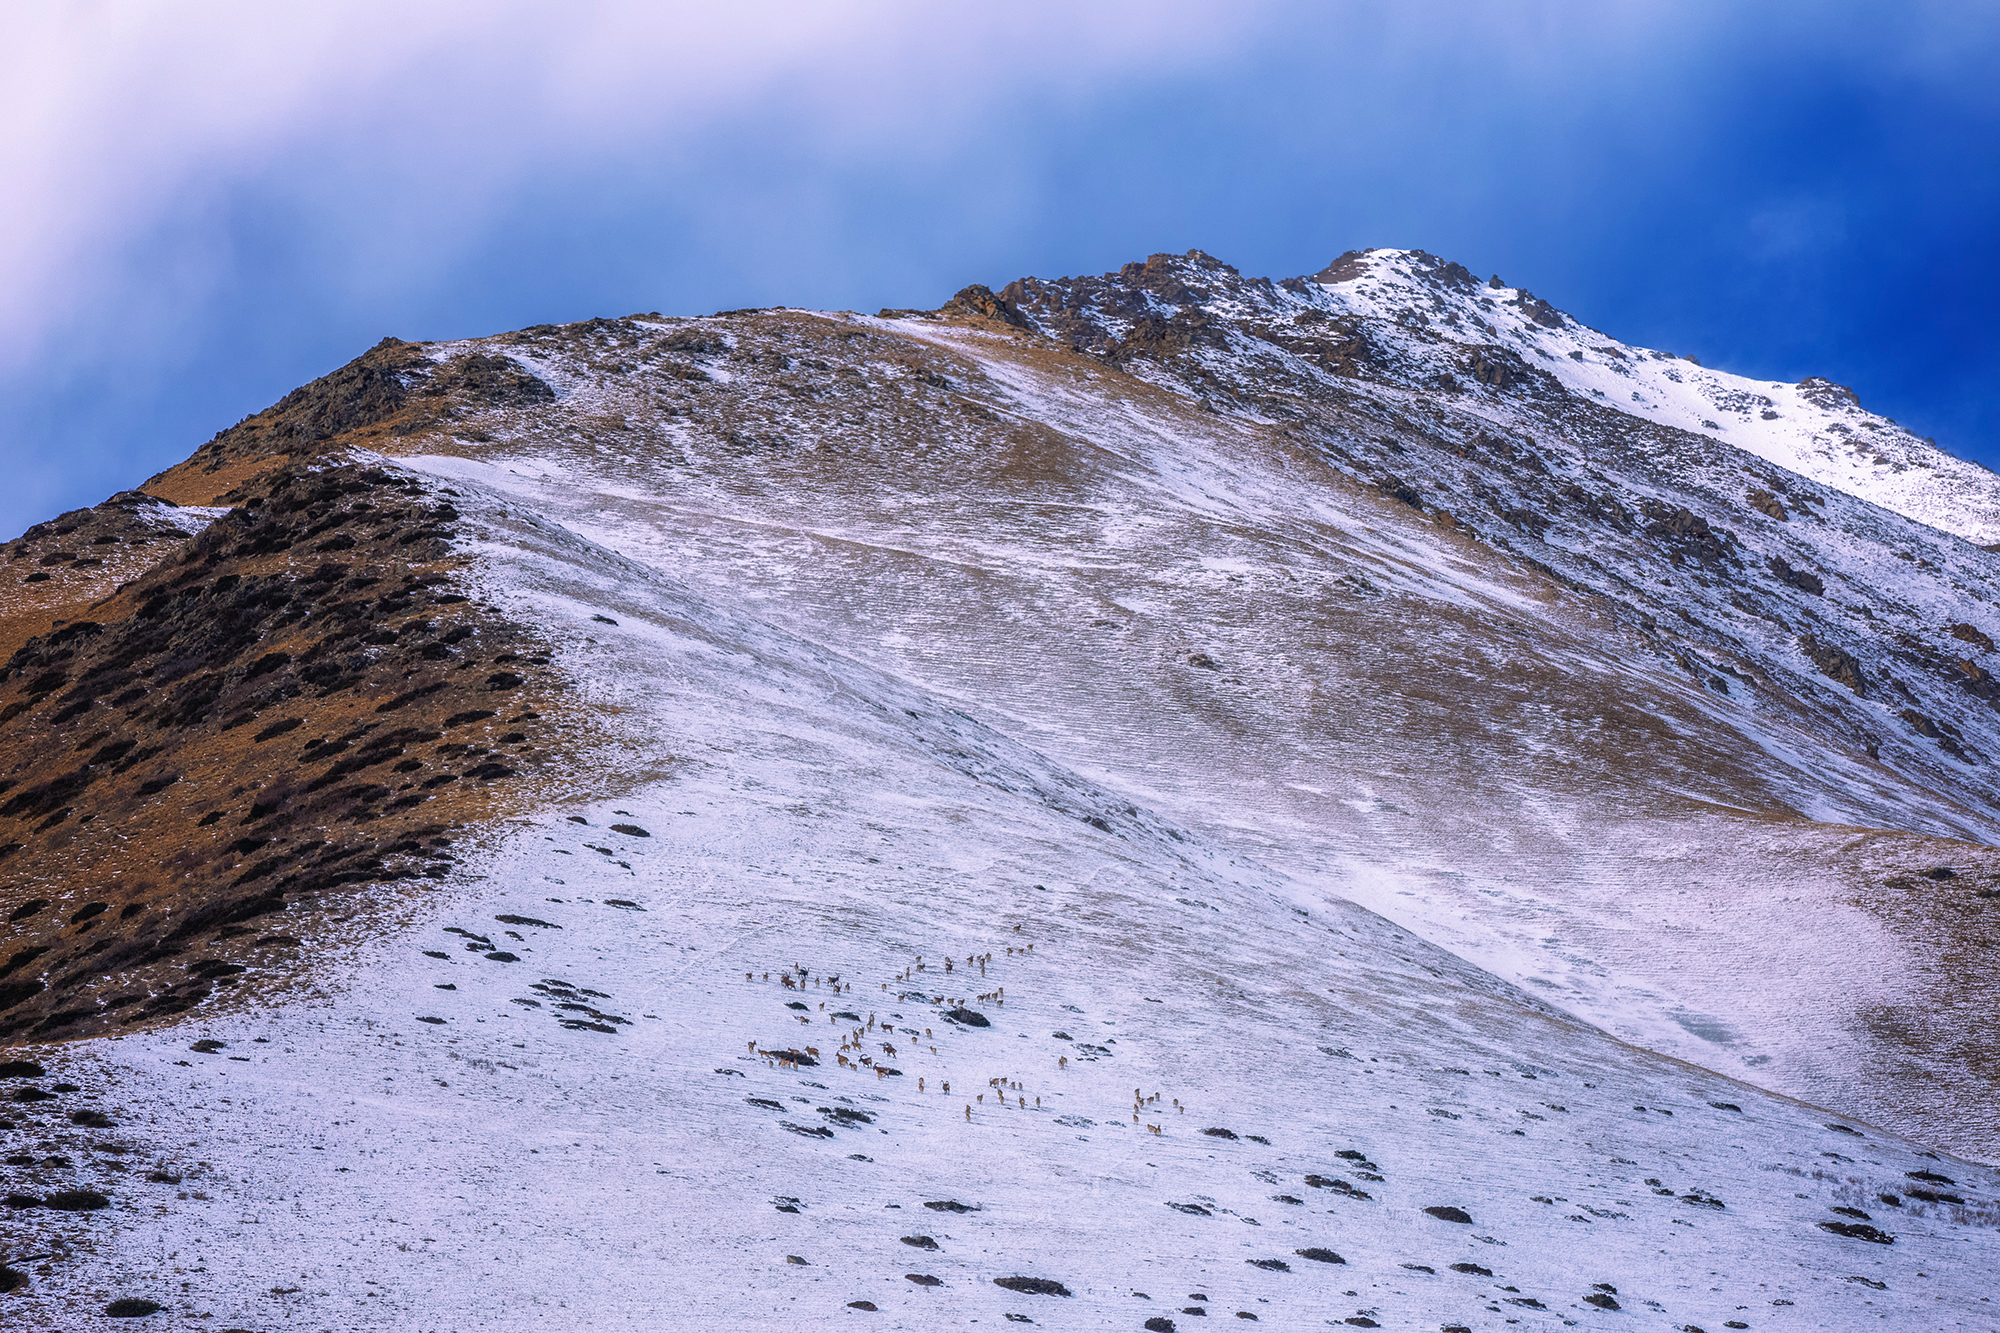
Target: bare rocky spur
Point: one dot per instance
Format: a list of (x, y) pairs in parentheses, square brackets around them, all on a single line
[(291, 704)]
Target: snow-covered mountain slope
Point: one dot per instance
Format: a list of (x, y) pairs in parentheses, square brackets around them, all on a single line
[(1815, 428), (1297, 775), (1524, 692), (840, 1005)]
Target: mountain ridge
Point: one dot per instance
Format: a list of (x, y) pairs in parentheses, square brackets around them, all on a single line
[(1495, 336)]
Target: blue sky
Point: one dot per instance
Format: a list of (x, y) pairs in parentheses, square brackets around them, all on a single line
[(217, 202)]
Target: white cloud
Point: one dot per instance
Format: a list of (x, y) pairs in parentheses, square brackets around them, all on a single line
[(134, 125), (125, 117)]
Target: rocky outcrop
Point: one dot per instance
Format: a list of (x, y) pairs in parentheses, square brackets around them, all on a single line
[(1165, 336), (1822, 392), (1497, 368), (1804, 580), (1687, 534), (1968, 634), (1764, 502), (980, 303), (1836, 664), (1147, 308)]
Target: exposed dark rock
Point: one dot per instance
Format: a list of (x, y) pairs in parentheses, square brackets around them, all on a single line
[(1398, 489), (695, 341), (1921, 723), (76, 1201), (1538, 310), (1766, 503), (1498, 367), (1796, 578), (1824, 393), (788, 1056), (807, 1131), (394, 386), (846, 1115), (1858, 1231), (487, 380), (1166, 336), (132, 1307), (1687, 534), (1350, 265), (1967, 634), (1834, 663)]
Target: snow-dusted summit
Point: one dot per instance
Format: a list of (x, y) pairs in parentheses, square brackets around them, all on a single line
[(1432, 325)]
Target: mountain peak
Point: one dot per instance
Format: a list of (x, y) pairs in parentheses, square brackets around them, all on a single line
[(1410, 320)]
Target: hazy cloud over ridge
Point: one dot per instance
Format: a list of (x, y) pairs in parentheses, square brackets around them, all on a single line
[(127, 116)]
